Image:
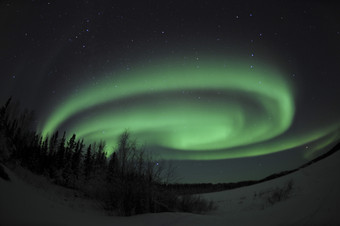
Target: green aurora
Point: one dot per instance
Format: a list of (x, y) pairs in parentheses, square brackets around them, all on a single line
[(217, 109)]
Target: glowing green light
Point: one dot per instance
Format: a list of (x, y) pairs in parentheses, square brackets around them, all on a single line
[(210, 112)]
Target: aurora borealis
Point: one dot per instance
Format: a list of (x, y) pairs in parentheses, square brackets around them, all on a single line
[(205, 109), (196, 113), (207, 86)]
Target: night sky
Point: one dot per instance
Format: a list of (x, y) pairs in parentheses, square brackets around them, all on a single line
[(224, 90)]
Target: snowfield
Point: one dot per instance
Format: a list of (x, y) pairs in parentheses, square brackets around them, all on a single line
[(313, 200)]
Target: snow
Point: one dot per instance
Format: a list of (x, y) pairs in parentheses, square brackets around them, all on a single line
[(314, 200)]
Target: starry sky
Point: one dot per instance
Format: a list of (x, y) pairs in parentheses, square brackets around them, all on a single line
[(223, 90)]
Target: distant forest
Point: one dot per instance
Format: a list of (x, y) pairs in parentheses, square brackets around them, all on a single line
[(127, 182)]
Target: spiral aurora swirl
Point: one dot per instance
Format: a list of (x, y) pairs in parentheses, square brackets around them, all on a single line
[(214, 111)]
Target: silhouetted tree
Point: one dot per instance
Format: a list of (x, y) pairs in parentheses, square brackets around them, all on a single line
[(112, 168), (100, 160), (88, 163), (53, 145), (133, 179), (76, 159), (4, 152), (42, 156), (61, 152)]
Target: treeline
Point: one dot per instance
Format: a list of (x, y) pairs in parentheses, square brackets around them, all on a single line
[(127, 182), (55, 157), (199, 188)]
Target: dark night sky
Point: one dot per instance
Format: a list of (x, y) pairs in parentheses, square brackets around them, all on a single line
[(180, 76)]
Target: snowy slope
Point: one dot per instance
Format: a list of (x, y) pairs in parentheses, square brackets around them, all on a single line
[(315, 200)]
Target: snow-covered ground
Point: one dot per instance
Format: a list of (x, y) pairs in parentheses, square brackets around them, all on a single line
[(314, 200)]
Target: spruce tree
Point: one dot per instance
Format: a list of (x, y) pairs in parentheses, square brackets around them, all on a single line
[(112, 168), (61, 152), (53, 145), (76, 159), (88, 163)]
